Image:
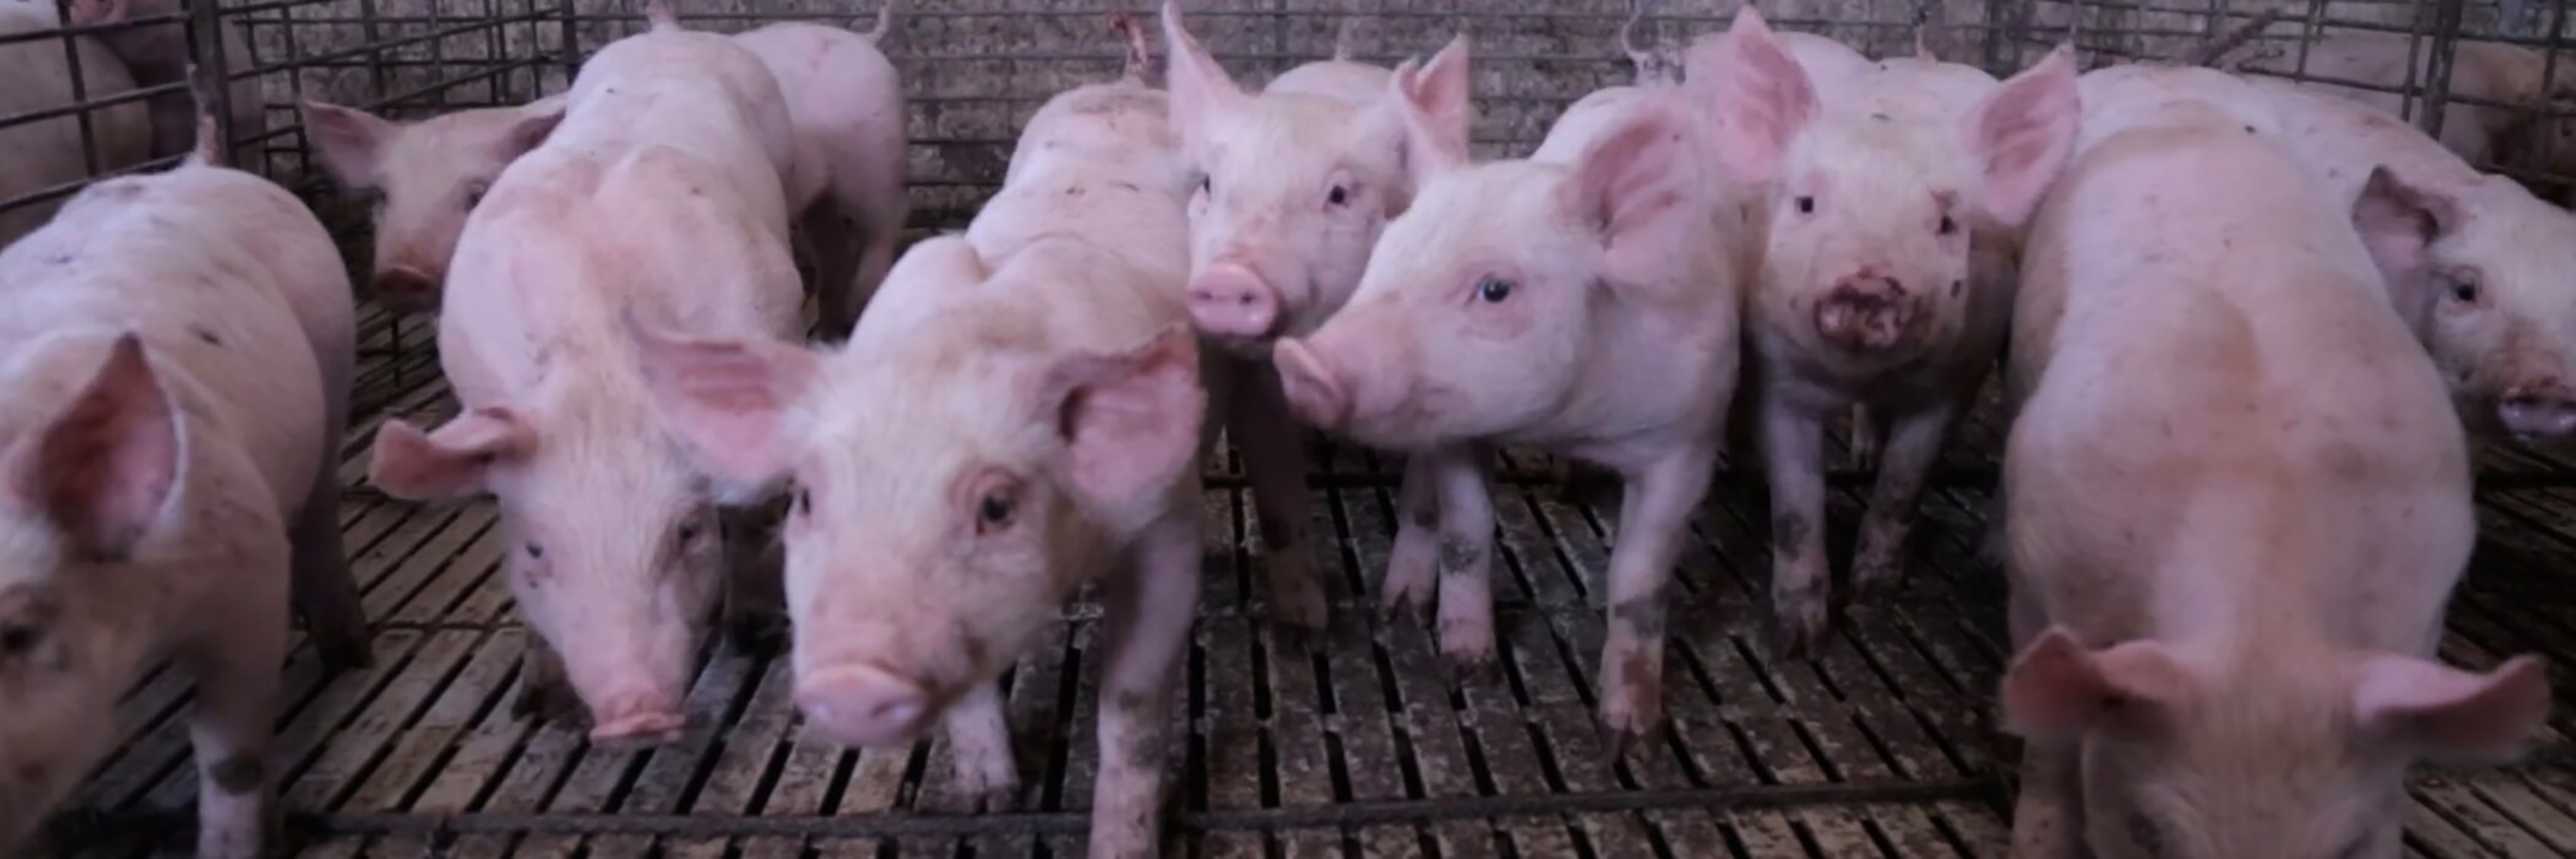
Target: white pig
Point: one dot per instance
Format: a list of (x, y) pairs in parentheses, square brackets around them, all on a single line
[(1519, 302), (660, 199), (2522, 133), (175, 362), (47, 154), (846, 191), (1051, 412), (2236, 510), (1295, 184), (1889, 203), (157, 55)]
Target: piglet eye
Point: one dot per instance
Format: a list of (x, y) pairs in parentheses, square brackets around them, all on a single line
[(16, 639), (688, 533), (1492, 290), (474, 194), (1340, 196), (1948, 225), (994, 512), (536, 552), (1806, 205), (804, 501), (1207, 184), (2464, 290)]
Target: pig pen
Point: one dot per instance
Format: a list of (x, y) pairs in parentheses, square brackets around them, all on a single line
[(1357, 742)]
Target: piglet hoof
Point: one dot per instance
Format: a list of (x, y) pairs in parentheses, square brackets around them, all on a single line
[(1802, 625), (245, 839), (1296, 599), (1617, 741), (997, 799), (343, 650), (757, 634), (1877, 574), (1406, 596), (1468, 653)]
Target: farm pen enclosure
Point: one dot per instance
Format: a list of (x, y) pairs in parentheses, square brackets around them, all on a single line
[(1356, 742)]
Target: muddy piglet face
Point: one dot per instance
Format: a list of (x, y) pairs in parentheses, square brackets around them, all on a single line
[(424, 178), (925, 554)]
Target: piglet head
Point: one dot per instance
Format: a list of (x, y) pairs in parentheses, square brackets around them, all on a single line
[(423, 179), (82, 492), (615, 553), (1487, 299), (1873, 217), (2300, 755), (925, 554), (1294, 189), (2482, 272)]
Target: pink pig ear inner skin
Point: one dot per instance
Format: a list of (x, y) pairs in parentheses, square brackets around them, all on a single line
[(1129, 421), (109, 461)]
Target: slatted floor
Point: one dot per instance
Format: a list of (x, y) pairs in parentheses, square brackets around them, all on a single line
[(1360, 743)]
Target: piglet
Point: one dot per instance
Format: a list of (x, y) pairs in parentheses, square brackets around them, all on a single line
[(2236, 508), (1295, 184), (175, 365), (1051, 417), (1889, 201), (158, 54), (1519, 302), (46, 154), (846, 188), (659, 198)]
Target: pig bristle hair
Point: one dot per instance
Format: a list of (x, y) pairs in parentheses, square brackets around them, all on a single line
[(884, 25), (659, 13), (1140, 56), (1345, 39)]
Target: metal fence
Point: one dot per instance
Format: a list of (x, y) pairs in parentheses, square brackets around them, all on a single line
[(974, 69)]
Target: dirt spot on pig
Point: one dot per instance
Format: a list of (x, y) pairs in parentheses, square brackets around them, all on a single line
[(1788, 535), (239, 774), (1643, 615), (1459, 554)]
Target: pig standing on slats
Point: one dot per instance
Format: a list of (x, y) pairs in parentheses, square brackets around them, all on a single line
[(1890, 199), (157, 55), (658, 199), (1048, 417), (2237, 506), (1523, 302), (846, 191), (37, 156), (175, 362), (1295, 184)]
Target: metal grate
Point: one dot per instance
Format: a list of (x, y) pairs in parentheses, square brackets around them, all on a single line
[(1356, 743)]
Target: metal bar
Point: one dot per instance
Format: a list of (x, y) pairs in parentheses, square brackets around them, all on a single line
[(91, 29), (2437, 72), (206, 51), (80, 90)]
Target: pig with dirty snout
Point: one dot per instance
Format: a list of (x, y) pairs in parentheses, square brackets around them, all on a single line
[(1890, 201), (1295, 185), (1518, 302), (2236, 508), (845, 189), (174, 364), (1053, 416), (658, 198)]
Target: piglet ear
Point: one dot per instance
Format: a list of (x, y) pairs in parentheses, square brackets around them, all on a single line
[(452, 464), (537, 121), (1130, 421), (2021, 134), (1632, 186), (2399, 222), (106, 465), (1201, 92), (351, 142), (1433, 103), (1759, 96), (2449, 713), (727, 401), (2058, 690)]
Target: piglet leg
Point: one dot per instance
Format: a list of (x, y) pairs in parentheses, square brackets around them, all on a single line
[(1865, 437), (1913, 445), (323, 590), (1257, 418), (1653, 515), (1466, 556), (1793, 452), (545, 694), (979, 738), (2048, 816), (833, 239), (1149, 608), (1412, 564), (237, 678), (755, 608)]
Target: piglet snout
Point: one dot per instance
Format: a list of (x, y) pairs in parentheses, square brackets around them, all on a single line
[(1229, 300), (638, 719), (406, 289), (2539, 411), (1312, 392), (863, 705), (1864, 314)]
